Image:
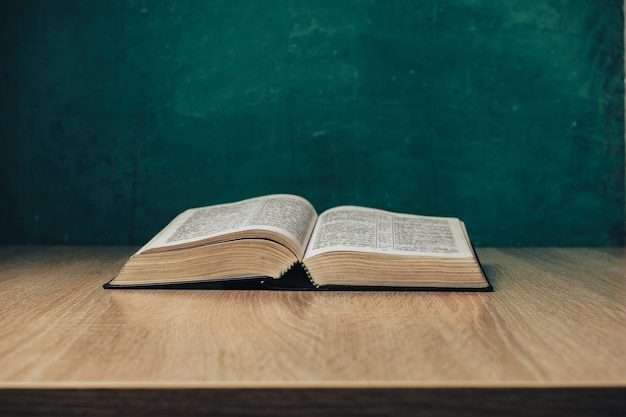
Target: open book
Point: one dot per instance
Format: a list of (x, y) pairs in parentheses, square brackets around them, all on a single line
[(261, 239)]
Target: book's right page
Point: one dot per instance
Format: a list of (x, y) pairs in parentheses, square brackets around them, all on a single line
[(360, 246), (362, 229)]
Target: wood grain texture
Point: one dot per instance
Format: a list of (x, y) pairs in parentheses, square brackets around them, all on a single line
[(556, 320)]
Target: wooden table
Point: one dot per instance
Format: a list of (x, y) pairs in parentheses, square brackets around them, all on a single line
[(550, 339)]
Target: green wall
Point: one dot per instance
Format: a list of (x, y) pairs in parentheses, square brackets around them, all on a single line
[(116, 115)]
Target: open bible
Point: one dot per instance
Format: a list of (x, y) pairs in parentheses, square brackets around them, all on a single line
[(265, 239)]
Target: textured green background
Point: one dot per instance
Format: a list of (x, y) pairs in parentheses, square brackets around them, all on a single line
[(116, 115)]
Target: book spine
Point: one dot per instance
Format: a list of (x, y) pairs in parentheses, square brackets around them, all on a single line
[(308, 274), (284, 271)]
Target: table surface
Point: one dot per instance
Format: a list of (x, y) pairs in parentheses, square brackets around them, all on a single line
[(557, 318)]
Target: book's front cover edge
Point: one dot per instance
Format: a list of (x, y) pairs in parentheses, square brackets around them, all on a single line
[(268, 284), (489, 287), (231, 283), (378, 288)]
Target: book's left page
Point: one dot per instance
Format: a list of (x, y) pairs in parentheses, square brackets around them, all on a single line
[(249, 239), (288, 219)]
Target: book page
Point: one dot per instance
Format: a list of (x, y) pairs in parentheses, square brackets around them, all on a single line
[(287, 214), (351, 228)]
